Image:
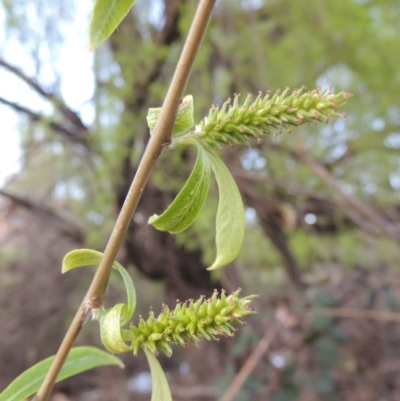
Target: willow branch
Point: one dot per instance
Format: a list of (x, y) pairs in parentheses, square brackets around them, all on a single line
[(160, 138), (37, 117), (68, 226), (66, 111), (250, 364), (300, 190), (359, 206), (369, 314)]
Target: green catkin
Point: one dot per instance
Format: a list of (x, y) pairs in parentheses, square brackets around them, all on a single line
[(191, 322), (235, 123)]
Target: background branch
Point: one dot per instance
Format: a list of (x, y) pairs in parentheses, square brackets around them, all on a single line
[(295, 189), (357, 313), (250, 364), (72, 116), (65, 222), (359, 206), (75, 136)]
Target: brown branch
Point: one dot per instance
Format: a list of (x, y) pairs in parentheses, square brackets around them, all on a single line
[(300, 190), (194, 392), (369, 214), (272, 228), (67, 227), (250, 364), (37, 117), (290, 186), (363, 209), (355, 313), (72, 116)]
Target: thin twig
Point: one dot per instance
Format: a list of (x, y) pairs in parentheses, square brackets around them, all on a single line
[(360, 207), (294, 188), (37, 117), (356, 313), (250, 364), (68, 225), (190, 392), (160, 138), (65, 110)]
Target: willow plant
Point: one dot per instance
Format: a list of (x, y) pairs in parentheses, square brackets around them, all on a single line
[(192, 321)]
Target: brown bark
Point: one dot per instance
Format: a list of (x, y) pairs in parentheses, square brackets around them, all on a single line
[(270, 220)]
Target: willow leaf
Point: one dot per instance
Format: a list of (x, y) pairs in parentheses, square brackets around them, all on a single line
[(88, 257), (187, 205), (161, 390), (230, 214), (79, 360), (107, 15)]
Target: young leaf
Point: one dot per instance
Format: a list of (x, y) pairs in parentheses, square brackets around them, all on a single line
[(230, 214), (88, 257), (188, 203), (79, 258), (107, 15), (110, 329), (79, 360), (184, 119), (161, 390)]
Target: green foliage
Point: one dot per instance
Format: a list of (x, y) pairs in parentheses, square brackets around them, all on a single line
[(312, 43), (113, 319), (191, 321), (79, 360), (107, 15), (223, 127), (160, 387), (203, 318), (188, 203), (87, 257), (230, 215)]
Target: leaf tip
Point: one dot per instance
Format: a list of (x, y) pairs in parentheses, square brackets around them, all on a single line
[(65, 266), (152, 219), (120, 364), (94, 43)]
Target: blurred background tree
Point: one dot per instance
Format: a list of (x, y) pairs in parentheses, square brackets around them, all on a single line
[(322, 202)]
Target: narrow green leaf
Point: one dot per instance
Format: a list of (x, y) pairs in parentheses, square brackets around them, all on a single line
[(110, 329), (230, 214), (89, 257), (79, 360), (130, 294), (161, 390), (107, 15), (187, 205), (79, 258)]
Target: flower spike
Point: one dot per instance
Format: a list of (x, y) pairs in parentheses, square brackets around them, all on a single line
[(204, 318), (235, 123)]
